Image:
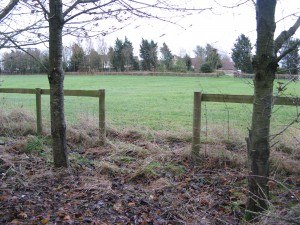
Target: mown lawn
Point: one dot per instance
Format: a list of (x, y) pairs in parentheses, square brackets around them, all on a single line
[(152, 102)]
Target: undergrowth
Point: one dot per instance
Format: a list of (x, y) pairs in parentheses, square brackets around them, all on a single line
[(150, 164)]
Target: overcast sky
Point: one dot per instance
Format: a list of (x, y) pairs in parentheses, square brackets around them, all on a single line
[(221, 27)]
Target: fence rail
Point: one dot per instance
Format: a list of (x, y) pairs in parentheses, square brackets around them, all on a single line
[(198, 98), (82, 93), (246, 99)]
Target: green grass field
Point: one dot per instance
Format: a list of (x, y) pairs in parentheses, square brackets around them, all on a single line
[(152, 102)]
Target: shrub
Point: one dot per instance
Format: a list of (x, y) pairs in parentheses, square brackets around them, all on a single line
[(179, 67), (206, 68)]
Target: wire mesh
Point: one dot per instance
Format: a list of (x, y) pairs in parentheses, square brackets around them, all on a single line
[(164, 113)]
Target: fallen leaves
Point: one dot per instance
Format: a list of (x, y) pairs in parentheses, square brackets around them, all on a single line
[(22, 215), (44, 221), (86, 196)]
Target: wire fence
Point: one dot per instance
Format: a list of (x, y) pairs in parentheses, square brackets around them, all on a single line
[(42, 108), (221, 121), (285, 119)]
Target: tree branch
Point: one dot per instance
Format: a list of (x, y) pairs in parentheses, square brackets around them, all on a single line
[(10, 36), (168, 7), (73, 6), (287, 51), (46, 12), (8, 8), (78, 2), (285, 35), (2, 45), (296, 120), (233, 6)]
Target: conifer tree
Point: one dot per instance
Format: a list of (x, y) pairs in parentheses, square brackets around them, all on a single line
[(241, 54)]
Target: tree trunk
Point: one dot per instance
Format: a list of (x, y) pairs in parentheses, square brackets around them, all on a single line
[(264, 64), (56, 81)]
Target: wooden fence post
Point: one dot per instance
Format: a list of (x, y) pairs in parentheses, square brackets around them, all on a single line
[(102, 128), (196, 143), (38, 96)]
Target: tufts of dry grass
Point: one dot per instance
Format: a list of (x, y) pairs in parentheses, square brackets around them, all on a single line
[(107, 168), (84, 132), (283, 164), (217, 133), (18, 122), (137, 148), (153, 160), (285, 154)]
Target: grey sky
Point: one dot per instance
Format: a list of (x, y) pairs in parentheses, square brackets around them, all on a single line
[(219, 27)]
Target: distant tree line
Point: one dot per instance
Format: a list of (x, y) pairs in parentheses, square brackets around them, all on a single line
[(79, 57), (242, 56), (84, 57), (17, 61)]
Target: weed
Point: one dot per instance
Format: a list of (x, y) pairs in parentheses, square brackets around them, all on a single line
[(2, 142), (35, 145), (232, 146), (107, 168), (234, 206), (81, 160), (151, 168), (148, 171), (126, 159), (284, 148), (174, 169)]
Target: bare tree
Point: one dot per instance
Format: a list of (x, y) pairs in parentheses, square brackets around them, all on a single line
[(19, 29), (265, 63), (88, 50), (103, 51)]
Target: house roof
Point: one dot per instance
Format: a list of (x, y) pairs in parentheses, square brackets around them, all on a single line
[(227, 65)]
